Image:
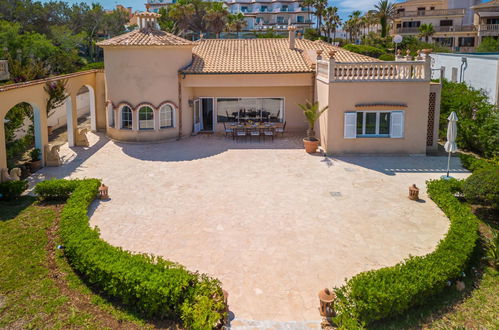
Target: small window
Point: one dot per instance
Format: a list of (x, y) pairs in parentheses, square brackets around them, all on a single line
[(126, 117), (166, 116), (146, 118), (446, 22)]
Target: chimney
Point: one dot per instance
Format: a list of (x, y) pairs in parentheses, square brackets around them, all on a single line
[(147, 20), (292, 30)]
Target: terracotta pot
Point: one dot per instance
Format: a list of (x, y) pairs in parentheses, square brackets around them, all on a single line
[(310, 145), (35, 165), (50, 129)]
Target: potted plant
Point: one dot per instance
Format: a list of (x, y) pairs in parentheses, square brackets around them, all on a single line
[(36, 161), (312, 113)]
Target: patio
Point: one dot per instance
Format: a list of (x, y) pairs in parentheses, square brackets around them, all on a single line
[(273, 223)]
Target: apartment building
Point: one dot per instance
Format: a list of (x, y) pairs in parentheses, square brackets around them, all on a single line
[(452, 20)]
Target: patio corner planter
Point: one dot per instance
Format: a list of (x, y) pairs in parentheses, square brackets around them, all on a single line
[(311, 145), (35, 165)]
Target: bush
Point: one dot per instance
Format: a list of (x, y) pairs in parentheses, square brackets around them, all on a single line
[(365, 50), (488, 45), (482, 187), (12, 189), (478, 124), (152, 285), (387, 57), (390, 291), (473, 163), (93, 66)]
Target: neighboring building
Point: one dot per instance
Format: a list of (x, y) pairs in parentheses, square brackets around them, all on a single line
[(452, 21), (272, 14), (374, 107), (480, 71), (260, 15), (486, 19)]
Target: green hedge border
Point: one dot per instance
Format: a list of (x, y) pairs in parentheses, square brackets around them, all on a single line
[(390, 291), (153, 286)]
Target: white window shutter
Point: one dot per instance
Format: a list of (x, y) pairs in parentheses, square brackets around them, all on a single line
[(350, 131), (397, 125)]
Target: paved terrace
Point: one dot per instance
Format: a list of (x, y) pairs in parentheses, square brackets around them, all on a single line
[(273, 223)]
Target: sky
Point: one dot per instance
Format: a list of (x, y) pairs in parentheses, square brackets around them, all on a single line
[(345, 7)]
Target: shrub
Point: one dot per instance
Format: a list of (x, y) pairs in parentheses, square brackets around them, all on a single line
[(365, 50), (488, 45), (387, 57), (482, 187), (473, 163), (12, 189), (55, 188), (390, 291), (152, 285)]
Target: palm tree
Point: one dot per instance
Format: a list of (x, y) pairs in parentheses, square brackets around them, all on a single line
[(354, 24), (385, 10), (236, 22), (331, 21), (320, 7), (312, 113), (426, 31), (216, 18)]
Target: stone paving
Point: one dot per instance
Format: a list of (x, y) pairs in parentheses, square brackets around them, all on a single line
[(272, 222)]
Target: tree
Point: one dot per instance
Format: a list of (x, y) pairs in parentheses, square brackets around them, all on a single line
[(216, 18), (354, 24), (426, 31), (166, 23), (236, 22), (331, 22), (312, 113), (319, 8), (384, 10), (488, 45), (189, 14)]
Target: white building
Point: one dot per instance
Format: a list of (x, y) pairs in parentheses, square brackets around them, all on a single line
[(480, 71)]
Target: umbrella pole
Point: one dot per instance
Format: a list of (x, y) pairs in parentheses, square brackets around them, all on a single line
[(448, 165)]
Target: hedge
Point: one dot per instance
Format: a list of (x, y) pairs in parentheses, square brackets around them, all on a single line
[(390, 291), (473, 163), (153, 286), (12, 189), (365, 50)]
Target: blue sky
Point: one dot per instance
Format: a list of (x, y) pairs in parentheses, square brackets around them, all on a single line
[(345, 6)]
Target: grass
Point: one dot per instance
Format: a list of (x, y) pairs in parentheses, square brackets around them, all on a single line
[(38, 288)]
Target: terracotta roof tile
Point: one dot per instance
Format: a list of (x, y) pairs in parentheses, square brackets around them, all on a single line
[(145, 37), (263, 55)]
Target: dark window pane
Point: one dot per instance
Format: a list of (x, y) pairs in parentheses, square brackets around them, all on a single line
[(384, 123), (370, 122), (360, 116)]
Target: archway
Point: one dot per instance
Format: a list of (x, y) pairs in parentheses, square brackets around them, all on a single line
[(85, 108), (22, 132)]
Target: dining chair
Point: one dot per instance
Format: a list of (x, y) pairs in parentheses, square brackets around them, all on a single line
[(268, 131), (240, 132), (228, 131), (281, 129), (255, 131)]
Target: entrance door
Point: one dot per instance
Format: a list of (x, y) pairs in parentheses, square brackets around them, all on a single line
[(207, 112), (197, 116)]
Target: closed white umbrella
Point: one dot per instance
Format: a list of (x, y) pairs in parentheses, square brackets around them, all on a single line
[(450, 145)]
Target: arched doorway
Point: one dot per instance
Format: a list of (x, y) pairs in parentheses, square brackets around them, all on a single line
[(85, 108), (22, 130)]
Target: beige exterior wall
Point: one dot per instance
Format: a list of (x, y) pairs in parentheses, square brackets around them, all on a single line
[(137, 75), (344, 96)]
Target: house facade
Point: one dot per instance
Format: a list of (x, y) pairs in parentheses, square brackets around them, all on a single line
[(160, 86), (458, 24)]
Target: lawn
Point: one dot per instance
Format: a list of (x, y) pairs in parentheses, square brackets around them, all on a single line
[(38, 289)]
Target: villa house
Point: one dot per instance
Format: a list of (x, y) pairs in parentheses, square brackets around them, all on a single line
[(157, 86), (161, 86)]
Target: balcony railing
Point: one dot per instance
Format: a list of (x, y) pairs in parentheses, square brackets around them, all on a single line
[(455, 28), (489, 28), (427, 13), (331, 71)]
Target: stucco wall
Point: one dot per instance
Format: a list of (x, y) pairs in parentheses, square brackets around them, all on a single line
[(137, 75), (480, 71), (344, 96)]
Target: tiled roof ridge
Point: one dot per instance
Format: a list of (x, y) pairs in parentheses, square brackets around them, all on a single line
[(147, 36)]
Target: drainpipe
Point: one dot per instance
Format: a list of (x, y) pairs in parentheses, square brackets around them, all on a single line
[(179, 78), (464, 65)]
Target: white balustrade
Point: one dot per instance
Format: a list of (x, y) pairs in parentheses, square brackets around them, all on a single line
[(373, 71)]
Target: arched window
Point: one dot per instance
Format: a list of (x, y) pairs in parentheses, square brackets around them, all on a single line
[(166, 117), (126, 117), (146, 118)]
